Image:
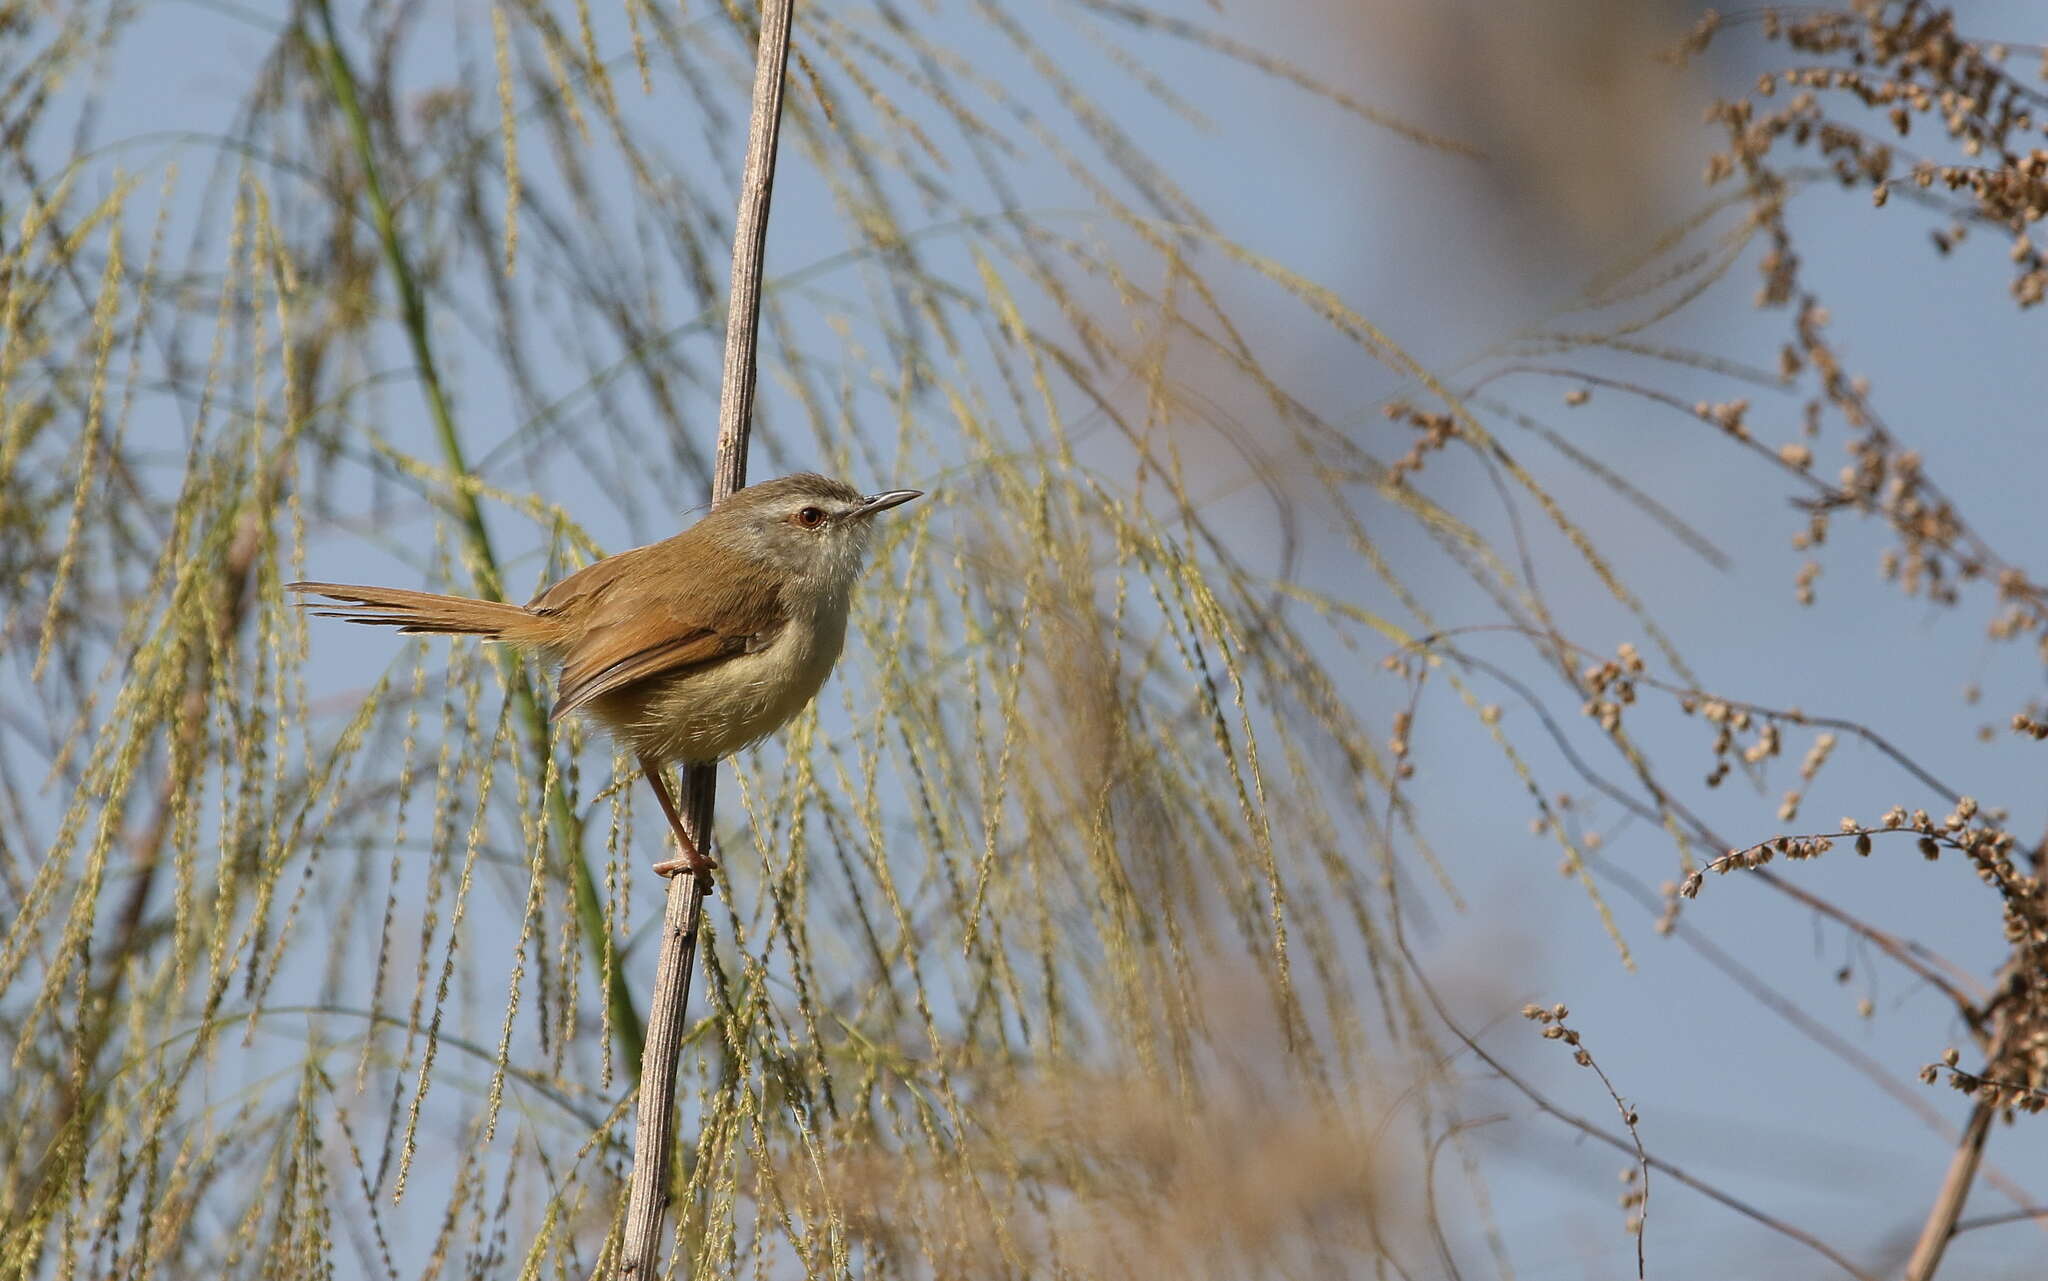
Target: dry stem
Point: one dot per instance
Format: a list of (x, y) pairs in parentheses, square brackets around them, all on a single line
[(1955, 1190), (1962, 1171), (654, 1130)]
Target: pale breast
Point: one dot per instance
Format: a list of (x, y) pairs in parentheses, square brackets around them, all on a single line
[(714, 712)]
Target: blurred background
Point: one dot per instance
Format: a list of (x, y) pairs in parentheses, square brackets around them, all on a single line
[(1313, 401)]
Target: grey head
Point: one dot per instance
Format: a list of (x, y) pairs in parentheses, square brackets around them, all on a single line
[(808, 526)]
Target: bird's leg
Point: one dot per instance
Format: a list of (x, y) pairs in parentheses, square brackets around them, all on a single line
[(692, 860)]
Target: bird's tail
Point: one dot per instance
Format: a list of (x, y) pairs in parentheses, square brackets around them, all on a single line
[(418, 611)]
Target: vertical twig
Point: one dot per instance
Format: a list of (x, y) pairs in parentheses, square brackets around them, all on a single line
[(1955, 1189), (654, 1130), (1962, 1167)]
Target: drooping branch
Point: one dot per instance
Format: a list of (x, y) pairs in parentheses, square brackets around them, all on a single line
[(563, 821)]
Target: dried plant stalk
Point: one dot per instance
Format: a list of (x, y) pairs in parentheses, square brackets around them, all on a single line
[(1955, 1190), (654, 1130)]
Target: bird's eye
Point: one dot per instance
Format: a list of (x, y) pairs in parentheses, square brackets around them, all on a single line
[(811, 517)]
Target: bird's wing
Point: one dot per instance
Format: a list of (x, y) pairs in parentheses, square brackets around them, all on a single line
[(584, 588), (634, 633)]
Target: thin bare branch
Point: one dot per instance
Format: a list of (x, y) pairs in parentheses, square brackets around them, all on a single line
[(683, 911)]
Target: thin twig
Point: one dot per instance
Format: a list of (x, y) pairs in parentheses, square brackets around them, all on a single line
[(1555, 1029), (1955, 1190), (654, 1129), (1962, 1169), (1617, 1142), (1631, 1145), (1923, 962), (1771, 999), (2020, 1215)]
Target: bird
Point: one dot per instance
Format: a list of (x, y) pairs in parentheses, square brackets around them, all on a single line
[(687, 650)]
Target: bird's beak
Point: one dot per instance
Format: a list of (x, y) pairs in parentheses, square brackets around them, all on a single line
[(883, 502)]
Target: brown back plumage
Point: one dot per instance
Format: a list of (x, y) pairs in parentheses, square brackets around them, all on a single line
[(651, 612)]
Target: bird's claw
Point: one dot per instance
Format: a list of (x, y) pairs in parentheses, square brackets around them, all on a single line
[(698, 866)]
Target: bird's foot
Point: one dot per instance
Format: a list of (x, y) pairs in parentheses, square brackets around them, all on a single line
[(693, 864)]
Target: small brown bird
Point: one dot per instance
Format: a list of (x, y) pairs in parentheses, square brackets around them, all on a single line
[(686, 650)]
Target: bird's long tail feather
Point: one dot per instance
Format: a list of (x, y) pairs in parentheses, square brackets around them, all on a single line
[(417, 611)]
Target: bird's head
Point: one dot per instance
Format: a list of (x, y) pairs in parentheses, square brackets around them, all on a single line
[(810, 527)]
